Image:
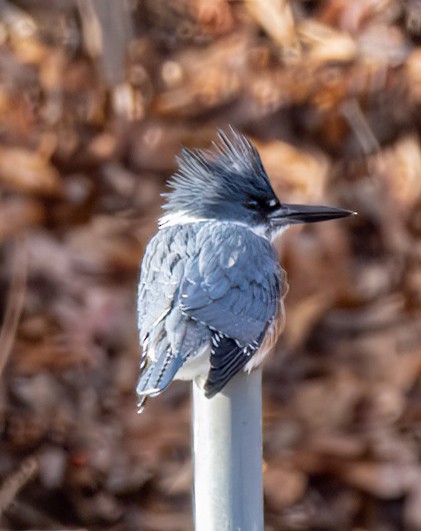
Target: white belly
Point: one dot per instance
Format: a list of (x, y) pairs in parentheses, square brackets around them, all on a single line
[(197, 366)]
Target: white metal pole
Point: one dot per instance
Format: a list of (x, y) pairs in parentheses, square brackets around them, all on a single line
[(227, 444)]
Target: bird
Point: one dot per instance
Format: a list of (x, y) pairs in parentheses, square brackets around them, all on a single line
[(210, 297)]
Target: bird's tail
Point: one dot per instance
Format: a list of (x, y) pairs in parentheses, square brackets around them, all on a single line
[(157, 377)]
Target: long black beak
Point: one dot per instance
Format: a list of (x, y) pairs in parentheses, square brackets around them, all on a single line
[(289, 214)]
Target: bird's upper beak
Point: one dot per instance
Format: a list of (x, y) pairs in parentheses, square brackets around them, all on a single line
[(291, 214)]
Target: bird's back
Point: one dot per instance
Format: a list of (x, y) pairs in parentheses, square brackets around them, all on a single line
[(211, 286)]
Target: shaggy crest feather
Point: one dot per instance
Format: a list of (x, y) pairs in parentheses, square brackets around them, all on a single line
[(207, 176)]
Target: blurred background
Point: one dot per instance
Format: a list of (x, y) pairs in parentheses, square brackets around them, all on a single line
[(96, 98)]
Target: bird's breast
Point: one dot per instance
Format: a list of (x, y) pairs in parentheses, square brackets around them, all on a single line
[(271, 337)]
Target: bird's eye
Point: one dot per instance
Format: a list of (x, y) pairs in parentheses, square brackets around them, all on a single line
[(272, 203)]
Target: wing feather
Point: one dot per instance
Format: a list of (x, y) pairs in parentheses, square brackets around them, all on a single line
[(232, 286)]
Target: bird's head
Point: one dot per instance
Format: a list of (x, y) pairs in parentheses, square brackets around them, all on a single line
[(229, 183)]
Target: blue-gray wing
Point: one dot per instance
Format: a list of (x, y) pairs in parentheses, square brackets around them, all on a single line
[(161, 273), (233, 286), (167, 336)]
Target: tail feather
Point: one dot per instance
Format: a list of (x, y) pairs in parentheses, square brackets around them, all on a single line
[(157, 377)]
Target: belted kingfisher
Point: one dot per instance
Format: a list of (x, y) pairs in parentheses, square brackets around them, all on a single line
[(210, 291)]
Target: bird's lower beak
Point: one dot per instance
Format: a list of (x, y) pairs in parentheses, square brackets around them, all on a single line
[(289, 214)]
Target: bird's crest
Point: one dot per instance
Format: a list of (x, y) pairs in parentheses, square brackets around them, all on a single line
[(231, 168)]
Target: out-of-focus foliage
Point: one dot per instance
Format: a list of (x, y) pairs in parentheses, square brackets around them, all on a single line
[(94, 104)]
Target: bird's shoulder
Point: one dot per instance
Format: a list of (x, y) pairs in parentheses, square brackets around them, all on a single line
[(189, 240), (169, 243), (233, 245)]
